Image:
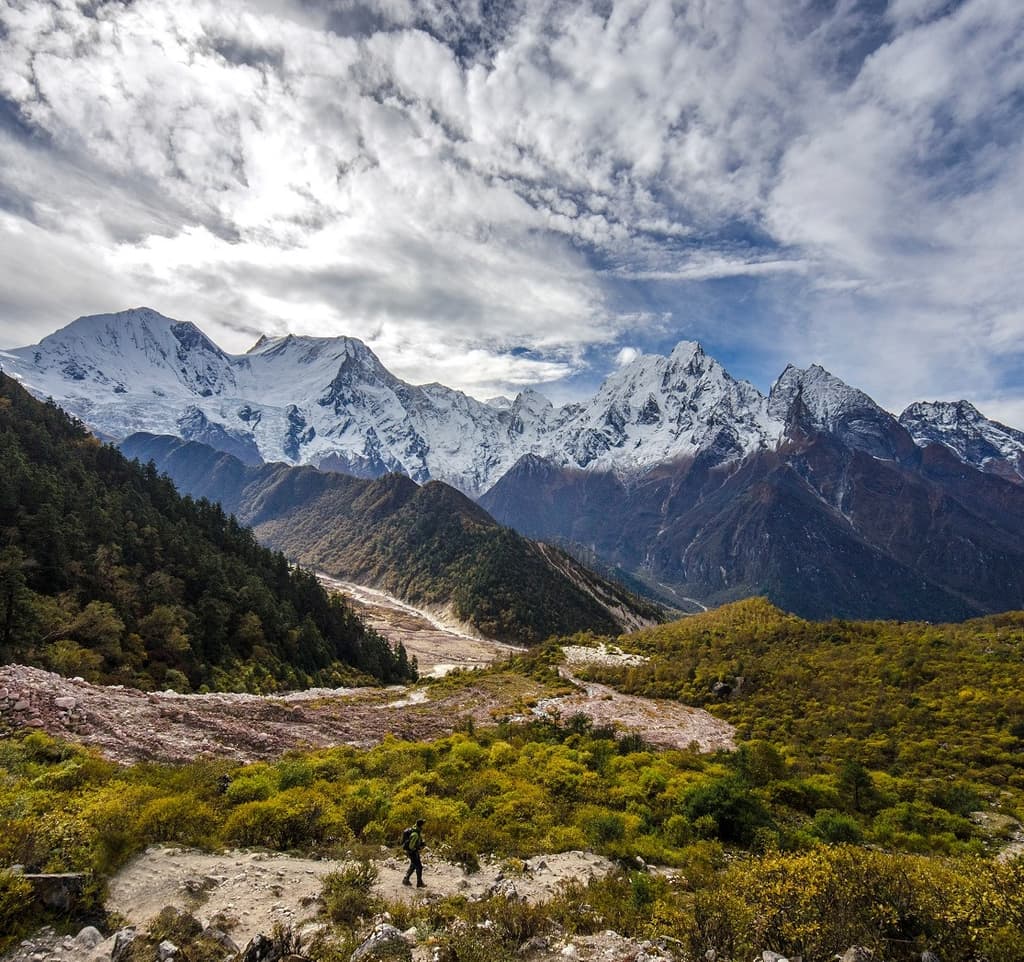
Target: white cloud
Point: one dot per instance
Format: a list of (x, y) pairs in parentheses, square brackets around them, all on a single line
[(451, 182), (627, 356)]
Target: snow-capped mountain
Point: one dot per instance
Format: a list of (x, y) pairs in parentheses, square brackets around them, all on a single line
[(302, 400), (330, 402), (988, 445), (814, 398)]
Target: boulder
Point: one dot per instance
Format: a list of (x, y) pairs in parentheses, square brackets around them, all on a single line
[(88, 938), (66, 703), (59, 891), (221, 937), (122, 945), (262, 948), (166, 951), (856, 953), (385, 942)]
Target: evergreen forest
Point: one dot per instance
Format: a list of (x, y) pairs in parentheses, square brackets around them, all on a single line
[(108, 573)]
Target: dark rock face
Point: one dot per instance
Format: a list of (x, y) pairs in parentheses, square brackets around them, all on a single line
[(58, 892), (858, 523), (195, 426)]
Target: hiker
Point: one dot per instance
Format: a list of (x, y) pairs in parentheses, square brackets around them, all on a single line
[(412, 844)]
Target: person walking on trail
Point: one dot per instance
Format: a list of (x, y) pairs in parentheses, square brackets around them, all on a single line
[(413, 844)]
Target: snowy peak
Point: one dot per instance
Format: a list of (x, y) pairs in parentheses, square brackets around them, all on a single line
[(961, 427), (824, 396), (660, 408), (112, 351), (815, 399)]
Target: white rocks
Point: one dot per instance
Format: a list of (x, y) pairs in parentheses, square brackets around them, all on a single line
[(167, 951), (88, 938), (66, 703)]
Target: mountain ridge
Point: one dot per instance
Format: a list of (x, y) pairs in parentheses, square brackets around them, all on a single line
[(331, 403), (427, 544)]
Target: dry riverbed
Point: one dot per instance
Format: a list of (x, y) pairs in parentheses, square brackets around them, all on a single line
[(129, 725)]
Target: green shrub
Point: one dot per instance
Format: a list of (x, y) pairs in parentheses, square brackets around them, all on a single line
[(179, 819), (604, 828), (347, 894), (835, 827), (737, 812), (251, 787), (292, 819), (15, 908)]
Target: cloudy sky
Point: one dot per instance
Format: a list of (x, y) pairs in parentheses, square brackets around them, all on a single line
[(529, 192)]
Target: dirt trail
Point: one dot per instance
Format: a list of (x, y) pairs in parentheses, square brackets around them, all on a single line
[(437, 640), (257, 889)]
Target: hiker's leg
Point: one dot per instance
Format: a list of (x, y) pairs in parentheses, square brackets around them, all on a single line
[(419, 868)]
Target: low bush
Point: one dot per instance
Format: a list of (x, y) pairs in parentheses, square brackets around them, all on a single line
[(348, 893), (15, 908)]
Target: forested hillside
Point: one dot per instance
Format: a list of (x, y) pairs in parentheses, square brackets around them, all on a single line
[(107, 572), (428, 545)]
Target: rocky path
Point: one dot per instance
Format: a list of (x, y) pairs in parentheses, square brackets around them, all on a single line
[(247, 892), (257, 889)]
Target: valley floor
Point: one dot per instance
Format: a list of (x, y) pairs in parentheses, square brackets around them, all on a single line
[(131, 726)]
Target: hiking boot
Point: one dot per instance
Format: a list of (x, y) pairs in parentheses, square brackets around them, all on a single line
[(421, 885), (405, 881)]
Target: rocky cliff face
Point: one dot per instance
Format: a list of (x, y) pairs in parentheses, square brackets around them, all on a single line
[(973, 438)]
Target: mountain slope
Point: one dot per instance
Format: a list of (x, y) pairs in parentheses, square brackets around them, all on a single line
[(429, 545), (105, 571), (847, 517)]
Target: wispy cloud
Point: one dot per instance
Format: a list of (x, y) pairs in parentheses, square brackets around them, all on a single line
[(492, 194)]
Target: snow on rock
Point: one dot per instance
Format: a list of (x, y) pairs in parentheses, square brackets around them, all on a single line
[(329, 402), (962, 428)]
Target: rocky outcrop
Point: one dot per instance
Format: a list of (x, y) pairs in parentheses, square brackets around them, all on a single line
[(385, 944)]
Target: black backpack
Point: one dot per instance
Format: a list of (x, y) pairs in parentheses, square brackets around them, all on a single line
[(407, 838)]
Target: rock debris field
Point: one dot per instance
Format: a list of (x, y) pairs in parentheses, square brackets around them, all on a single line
[(170, 727)]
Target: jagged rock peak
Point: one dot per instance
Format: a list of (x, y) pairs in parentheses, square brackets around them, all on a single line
[(311, 348), (826, 397), (974, 438), (942, 413)]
